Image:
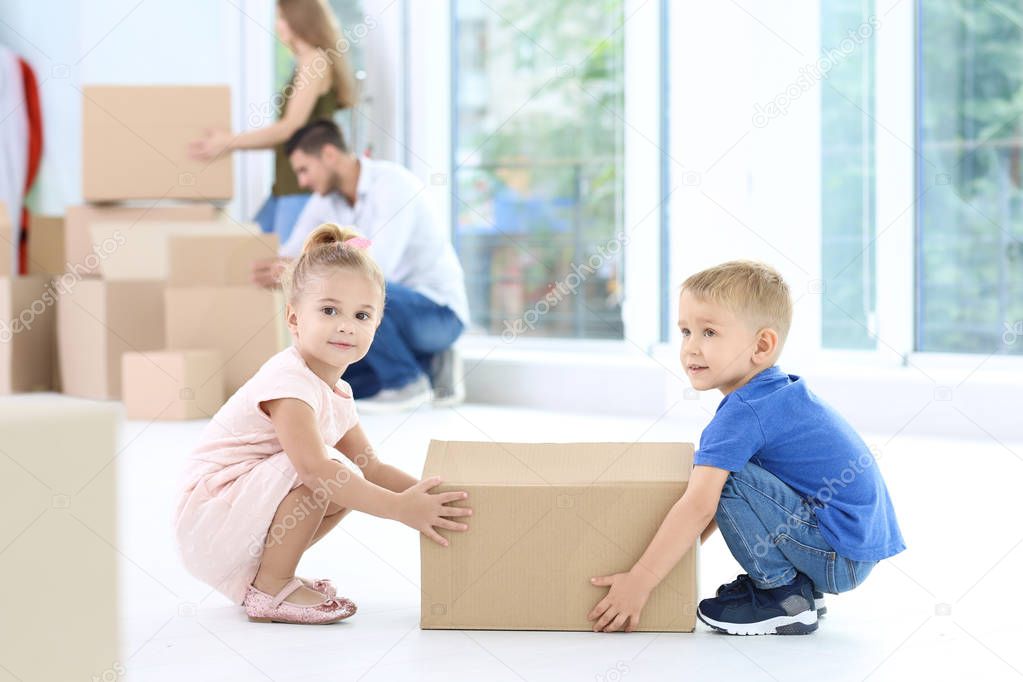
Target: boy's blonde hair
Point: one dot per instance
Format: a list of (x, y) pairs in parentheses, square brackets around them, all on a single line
[(324, 249), (754, 291)]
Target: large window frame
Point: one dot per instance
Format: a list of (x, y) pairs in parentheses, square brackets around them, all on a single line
[(423, 142)]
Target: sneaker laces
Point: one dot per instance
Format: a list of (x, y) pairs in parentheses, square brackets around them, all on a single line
[(741, 588)]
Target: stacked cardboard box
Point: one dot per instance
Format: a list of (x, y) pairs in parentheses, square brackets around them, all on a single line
[(135, 161), (27, 341), (210, 302)]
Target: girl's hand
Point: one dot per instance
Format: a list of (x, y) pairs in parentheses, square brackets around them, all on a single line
[(211, 145), (418, 509), (622, 604)]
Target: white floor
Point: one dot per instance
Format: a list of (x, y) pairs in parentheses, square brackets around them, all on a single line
[(947, 608)]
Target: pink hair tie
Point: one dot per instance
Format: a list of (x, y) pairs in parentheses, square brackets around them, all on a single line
[(358, 243)]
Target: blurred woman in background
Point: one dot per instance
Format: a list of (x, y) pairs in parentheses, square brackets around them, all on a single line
[(320, 84)]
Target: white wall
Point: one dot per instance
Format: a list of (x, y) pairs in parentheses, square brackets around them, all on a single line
[(71, 44), (746, 191)]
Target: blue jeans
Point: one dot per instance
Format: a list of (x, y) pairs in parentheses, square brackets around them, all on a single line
[(412, 331), (279, 213), (772, 532)]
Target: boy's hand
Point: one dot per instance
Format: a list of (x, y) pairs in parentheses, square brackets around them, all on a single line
[(419, 509), (622, 604)]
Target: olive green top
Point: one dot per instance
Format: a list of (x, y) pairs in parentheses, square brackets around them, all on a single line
[(285, 181)]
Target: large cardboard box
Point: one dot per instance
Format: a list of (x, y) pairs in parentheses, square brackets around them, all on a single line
[(170, 385), (97, 322), (207, 259), (27, 334), (144, 251), (46, 245), (84, 258), (245, 323), (546, 518), (59, 538), (135, 142)]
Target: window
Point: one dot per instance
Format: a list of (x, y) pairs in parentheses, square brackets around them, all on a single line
[(970, 171), (537, 101), (848, 313)]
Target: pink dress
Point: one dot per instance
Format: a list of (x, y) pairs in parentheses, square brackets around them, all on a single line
[(237, 476)]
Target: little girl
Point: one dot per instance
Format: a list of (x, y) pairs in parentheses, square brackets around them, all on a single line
[(263, 485)]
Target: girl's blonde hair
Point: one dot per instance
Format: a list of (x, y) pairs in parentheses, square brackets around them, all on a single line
[(326, 249), (753, 291), (315, 23)]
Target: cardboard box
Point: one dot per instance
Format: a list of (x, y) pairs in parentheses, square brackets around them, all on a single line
[(245, 323), (546, 518), (170, 385), (60, 529), (8, 252), (143, 250), (135, 142), (46, 245), (84, 259), (27, 334), (97, 322), (217, 260)]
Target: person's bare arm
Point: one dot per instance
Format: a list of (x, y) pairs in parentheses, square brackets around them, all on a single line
[(708, 531), (355, 446), (300, 107), (624, 602), (297, 431)]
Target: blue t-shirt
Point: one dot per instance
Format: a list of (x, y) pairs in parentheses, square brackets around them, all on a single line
[(777, 423)]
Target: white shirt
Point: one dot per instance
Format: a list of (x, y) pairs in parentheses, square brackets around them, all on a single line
[(392, 209)]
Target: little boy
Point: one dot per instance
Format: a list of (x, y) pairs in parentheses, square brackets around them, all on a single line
[(795, 491)]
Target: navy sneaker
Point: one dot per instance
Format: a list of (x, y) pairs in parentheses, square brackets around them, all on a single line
[(737, 584), (742, 608)]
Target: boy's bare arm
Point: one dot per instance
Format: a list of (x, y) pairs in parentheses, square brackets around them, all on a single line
[(708, 531), (692, 515)]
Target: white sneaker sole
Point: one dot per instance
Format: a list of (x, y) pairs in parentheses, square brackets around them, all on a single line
[(799, 624), (370, 406)]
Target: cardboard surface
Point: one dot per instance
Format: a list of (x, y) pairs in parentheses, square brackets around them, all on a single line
[(46, 245), (135, 142), (83, 258), (59, 529), (99, 321), (245, 323), (546, 518), (169, 385), (27, 334), (144, 250), (223, 260)]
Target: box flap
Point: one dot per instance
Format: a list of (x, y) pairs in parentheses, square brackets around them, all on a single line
[(482, 463)]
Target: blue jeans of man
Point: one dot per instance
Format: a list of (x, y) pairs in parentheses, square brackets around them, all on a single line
[(773, 532), (412, 331), (279, 213)]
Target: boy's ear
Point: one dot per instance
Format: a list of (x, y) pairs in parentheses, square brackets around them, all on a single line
[(767, 344)]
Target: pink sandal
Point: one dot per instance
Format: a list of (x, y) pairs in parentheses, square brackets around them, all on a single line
[(260, 607)]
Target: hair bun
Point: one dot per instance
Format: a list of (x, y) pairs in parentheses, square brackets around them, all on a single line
[(327, 234)]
